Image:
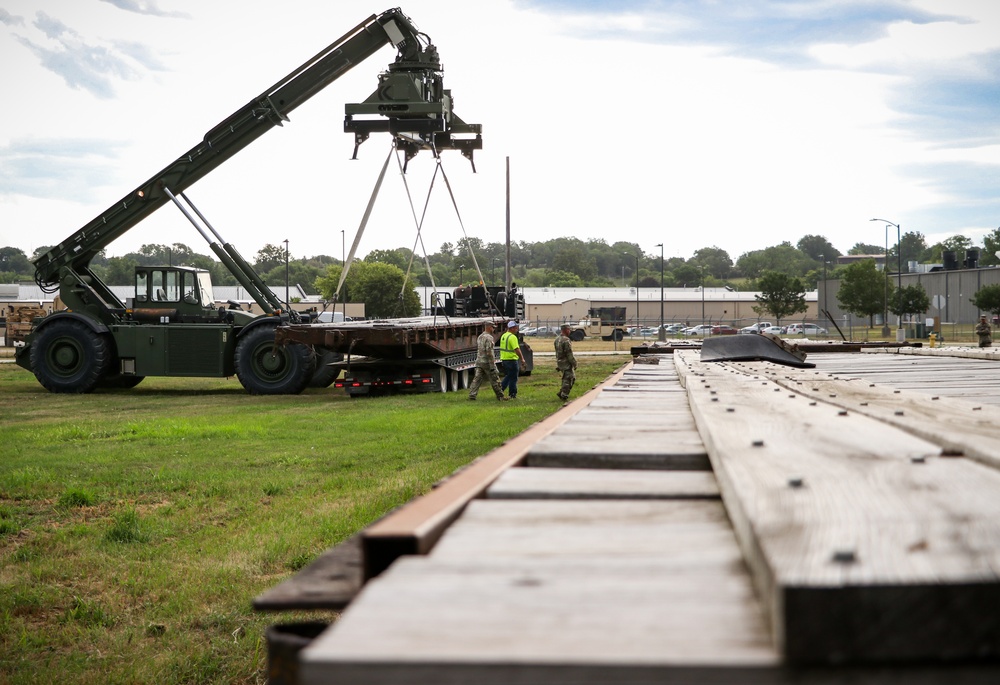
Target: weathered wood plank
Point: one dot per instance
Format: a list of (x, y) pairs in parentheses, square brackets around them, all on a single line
[(586, 591), (417, 525), (331, 581), (546, 483), (839, 512), (955, 425), (629, 427)]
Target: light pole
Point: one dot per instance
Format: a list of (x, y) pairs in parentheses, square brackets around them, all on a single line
[(343, 265), (461, 269), (286, 276), (899, 272), (823, 257), (636, 255), (663, 334), (702, 267)]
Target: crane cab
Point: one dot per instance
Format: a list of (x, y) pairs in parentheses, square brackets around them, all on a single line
[(172, 293)]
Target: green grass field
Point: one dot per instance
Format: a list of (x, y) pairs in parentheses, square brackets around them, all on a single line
[(137, 526)]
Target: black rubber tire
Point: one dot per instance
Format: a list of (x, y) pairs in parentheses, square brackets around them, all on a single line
[(617, 335), (68, 356), (577, 335), (268, 369), (324, 375)]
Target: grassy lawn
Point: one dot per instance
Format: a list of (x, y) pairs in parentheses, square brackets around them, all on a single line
[(137, 526)]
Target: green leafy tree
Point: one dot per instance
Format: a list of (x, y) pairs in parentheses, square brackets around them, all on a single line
[(14, 260), (863, 290), (987, 299), (574, 258), (378, 285), (866, 248), (911, 299), (780, 295), (120, 271), (299, 273), (991, 245), (399, 257), (913, 246), (784, 258), (956, 243), (715, 260), (269, 257), (818, 248), (555, 278)]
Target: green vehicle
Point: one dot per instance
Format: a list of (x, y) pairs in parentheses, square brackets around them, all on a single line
[(172, 325)]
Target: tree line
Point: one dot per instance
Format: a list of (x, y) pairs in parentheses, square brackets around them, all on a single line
[(559, 262)]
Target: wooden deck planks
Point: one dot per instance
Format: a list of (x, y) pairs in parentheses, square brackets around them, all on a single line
[(974, 379), (645, 589), (642, 421), (848, 522), (959, 427), (865, 544), (546, 483)]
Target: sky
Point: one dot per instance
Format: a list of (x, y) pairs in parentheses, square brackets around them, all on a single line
[(736, 125)]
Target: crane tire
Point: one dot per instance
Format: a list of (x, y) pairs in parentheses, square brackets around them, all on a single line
[(68, 356), (268, 369)]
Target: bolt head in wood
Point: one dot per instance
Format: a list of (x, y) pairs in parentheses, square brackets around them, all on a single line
[(845, 556)]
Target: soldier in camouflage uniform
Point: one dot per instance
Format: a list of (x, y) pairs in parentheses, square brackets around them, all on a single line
[(486, 364), (565, 361), (985, 332)]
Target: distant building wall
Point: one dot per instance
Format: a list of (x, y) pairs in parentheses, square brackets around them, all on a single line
[(952, 290)]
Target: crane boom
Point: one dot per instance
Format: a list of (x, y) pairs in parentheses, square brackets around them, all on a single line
[(68, 262)]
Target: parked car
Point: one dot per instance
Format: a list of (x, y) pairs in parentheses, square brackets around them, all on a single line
[(673, 328), (773, 330), (804, 329), (756, 327), (703, 329), (723, 329)]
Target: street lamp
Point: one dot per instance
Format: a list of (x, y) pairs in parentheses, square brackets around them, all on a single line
[(636, 255), (823, 257), (343, 265), (663, 334), (702, 267), (899, 272), (286, 275), (461, 269)]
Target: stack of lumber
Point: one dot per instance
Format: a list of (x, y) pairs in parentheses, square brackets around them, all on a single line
[(19, 318)]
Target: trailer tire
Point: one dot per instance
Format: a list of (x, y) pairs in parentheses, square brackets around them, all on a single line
[(325, 375), (268, 369), (68, 356), (577, 335)]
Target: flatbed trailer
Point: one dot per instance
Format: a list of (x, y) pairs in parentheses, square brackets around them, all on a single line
[(419, 354)]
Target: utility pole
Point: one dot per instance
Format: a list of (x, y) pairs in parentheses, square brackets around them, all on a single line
[(662, 333)]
